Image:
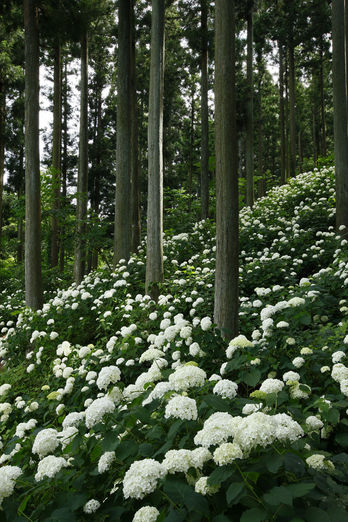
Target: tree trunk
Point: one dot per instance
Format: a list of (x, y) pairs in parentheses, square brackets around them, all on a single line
[(191, 148), (340, 114), (33, 282), (322, 102), (135, 199), (204, 113), (154, 255), (2, 148), (261, 181), (226, 275), (56, 150), (281, 116), (249, 163), (82, 181), (292, 109), (123, 229), (64, 162)]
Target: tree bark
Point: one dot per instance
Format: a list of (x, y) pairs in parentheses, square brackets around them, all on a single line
[(204, 113), (56, 151), (33, 281), (281, 116), (2, 149), (82, 181), (322, 101), (249, 156), (226, 274), (340, 114), (123, 229), (64, 161), (291, 51), (154, 256), (192, 120)]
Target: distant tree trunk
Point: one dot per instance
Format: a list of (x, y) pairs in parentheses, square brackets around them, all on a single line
[(322, 101), (226, 274), (192, 119), (300, 155), (281, 116), (287, 132), (2, 149), (64, 161), (56, 150), (154, 255), (123, 229), (249, 113), (33, 282), (82, 181), (135, 196), (261, 181), (314, 133), (291, 51), (20, 224), (204, 113), (340, 114)]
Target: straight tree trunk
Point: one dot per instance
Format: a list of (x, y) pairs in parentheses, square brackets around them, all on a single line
[(64, 162), (322, 102), (204, 113), (281, 115), (191, 148), (56, 151), (135, 198), (123, 229), (2, 148), (261, 181), (340, 114), (249, 114), (82, 181), (292, 108), (154, 255), (226, 274), (33, 282)]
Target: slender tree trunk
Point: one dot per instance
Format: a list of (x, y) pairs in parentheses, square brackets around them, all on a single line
[(191, 149), (123, 230), (154, 255), (340, 114), (314, 134), (20, 224), (226, 275), (292, 109), (300, 155), (64, 162), (2, 149), (135, 198), (82, 182), (322, 102), (281, 115), (249, 113), (204, 113), (33, 282), (261, 181), (56, 151)]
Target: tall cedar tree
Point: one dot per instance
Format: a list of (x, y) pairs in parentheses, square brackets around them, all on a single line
[(154, 255), (204, 113), (226, 275), (33, 282), (123, 230), (340, 112), (249, 142)]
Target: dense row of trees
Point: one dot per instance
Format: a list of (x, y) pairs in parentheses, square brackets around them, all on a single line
[(145, 117)]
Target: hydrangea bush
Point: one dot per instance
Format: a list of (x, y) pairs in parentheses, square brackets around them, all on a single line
[(114, 407)]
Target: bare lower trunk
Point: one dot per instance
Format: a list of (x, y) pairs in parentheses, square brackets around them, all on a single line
[(281, 116), (249, 119), (64, 165), (154, 255), (33, 282), (2, 149), (292, 110), (204, 113), (226, 275)]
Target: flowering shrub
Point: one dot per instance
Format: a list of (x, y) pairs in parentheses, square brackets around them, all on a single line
[(115, 407)]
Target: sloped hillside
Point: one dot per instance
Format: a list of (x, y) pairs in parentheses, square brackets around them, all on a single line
[(114, 407)]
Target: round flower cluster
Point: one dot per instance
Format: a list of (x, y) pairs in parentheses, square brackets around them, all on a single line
[(22, 427), (186, 377), (91, 506), (204, 488), (227, 453), (46, 441), (298, 362), (151, 354), (146, 514), (291, 376), (181, 407), (105, 461), (272, 386), (8, 475), (216, 429), (49, 466), (108, 375), (320, 463), (313, 423), (142, 478), (96, 411), (176, 461), (226, 388)]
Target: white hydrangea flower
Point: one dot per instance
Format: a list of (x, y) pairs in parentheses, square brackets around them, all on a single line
[(108, 375), (199, 456), (339, 372), (251, 408), (202, 487), (146, 514), (186, 377), (337, 356), (320, 463), (296, 301), (227, 453), (97, 410), (49, 466), (46, 441), (177, 461), (216, 429), (91, 506), (306, 351), (8, 476), (142, 478), (291, 376), (151, 354), (206, 323), (106, 461), (73, 419), (194, 349), (181, 407), (4, 388), (226, 388), (313, 423), (272, 386), (298, 362)]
